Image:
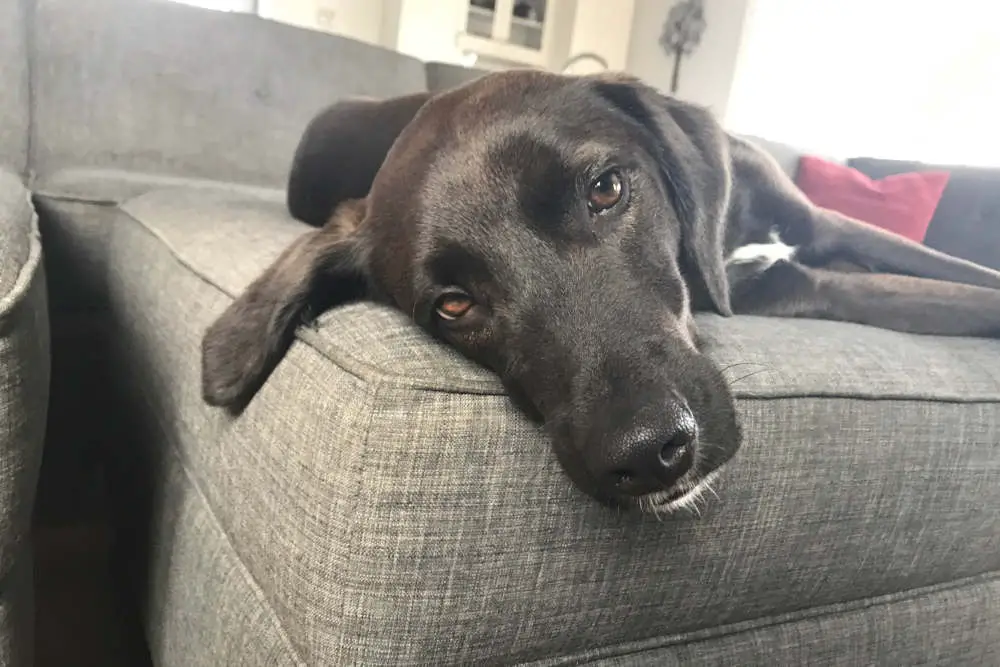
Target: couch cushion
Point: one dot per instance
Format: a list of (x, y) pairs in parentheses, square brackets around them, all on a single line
[(102, 187), (394, 507), (16, 235), (201, 576), (444, 76), (786, 155), (157, 86), (77, 208), (13, 85), (24, 382)]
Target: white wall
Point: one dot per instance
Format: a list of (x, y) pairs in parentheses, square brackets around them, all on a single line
[(706, 76), (893, 78), (601, 28), (358, 19), (427, 29), (222, 5)]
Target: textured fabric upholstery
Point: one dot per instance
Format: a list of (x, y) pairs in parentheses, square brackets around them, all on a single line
[(24, 379), (442, 76), (14, 112), (381, 501), (419, 519), (77, 209), (201, 576), (16, 239), (157, 86)]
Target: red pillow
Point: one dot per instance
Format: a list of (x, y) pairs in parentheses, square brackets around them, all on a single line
[(901, 203)]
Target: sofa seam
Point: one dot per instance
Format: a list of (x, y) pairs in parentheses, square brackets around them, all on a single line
[(15, 296), (255, 586), (31, 48), (74, 199), (830, 610), (889, 398)]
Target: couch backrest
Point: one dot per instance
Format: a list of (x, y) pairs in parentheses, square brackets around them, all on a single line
[(13, 85), (156, 86), (442, 76), (966, 221)]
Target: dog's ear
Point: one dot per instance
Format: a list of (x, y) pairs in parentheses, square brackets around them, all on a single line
[(341, 150), (320, 269), (692, 151)]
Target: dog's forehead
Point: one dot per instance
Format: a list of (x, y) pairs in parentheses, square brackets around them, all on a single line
[(517, 127), (501, 155), (503, 103)]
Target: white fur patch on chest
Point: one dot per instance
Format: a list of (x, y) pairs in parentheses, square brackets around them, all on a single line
[(762, 253)]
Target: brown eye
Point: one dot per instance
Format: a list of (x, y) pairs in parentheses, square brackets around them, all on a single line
[(605, 191), (454, 304)]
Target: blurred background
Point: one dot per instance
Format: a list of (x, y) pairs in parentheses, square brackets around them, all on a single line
[(892, 78)]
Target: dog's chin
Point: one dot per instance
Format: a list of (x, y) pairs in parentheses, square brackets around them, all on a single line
[(689, 494)]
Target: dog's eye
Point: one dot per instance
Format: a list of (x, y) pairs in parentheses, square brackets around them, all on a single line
[(453, 304), (605, 191)]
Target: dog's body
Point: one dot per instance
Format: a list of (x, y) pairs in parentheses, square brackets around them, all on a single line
[(561, 231)]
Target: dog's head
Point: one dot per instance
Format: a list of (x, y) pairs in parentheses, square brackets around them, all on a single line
[(558, 230)]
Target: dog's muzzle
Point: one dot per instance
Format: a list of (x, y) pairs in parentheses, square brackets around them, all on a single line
[(650, 457)]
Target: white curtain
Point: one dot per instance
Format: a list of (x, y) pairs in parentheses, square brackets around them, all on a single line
[(907, 79)]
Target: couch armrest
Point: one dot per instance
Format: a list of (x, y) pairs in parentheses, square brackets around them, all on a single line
[(25, 368)]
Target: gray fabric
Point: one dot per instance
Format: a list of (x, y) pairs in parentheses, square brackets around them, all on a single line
[(14, 112), (17, 611), (939, 625), (16, 225), (947, 626), (418, 518), (77, 210), (76, 235), (442, 76), (195, 575), (162, 87), (786, 155), (24, 381), (113, 186)]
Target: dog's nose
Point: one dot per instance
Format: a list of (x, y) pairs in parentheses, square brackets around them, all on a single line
[(650, 456)]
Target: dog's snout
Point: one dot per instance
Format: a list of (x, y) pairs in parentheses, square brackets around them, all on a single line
[(651, 455)]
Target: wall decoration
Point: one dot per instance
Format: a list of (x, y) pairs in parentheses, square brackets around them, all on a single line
[(682, 33)]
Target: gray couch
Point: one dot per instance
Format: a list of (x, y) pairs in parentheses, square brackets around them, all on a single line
[(24, 350), (380, 501)]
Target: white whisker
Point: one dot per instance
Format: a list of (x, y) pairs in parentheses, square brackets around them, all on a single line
[(693, 499)]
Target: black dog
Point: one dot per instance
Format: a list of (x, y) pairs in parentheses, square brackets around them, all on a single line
[(561, 231)]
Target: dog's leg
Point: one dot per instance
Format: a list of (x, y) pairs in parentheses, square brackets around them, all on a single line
[(764, 198), (901, 303), (834, 236)]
